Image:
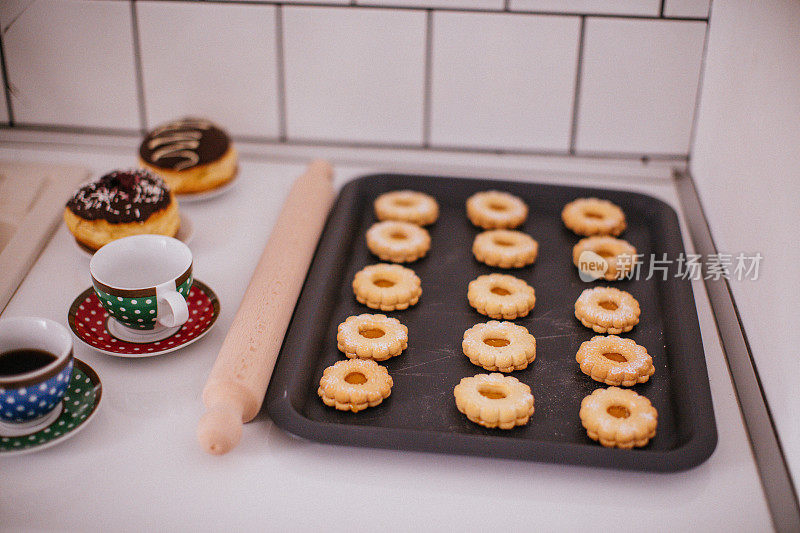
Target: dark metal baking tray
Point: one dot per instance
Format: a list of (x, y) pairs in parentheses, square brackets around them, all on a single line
[(421, 414)]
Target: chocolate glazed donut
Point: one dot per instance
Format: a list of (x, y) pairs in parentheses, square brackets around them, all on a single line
[(120, 204), (184, 144), (192, 155)]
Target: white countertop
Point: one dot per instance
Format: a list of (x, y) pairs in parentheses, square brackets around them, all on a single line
[(137, 465)]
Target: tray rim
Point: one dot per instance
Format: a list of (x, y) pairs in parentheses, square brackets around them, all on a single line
[(696, 450)]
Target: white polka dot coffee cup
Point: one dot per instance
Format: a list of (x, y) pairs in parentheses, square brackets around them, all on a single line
[(143, 281), (35, 369)]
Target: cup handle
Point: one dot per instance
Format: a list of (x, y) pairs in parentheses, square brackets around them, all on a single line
[(172, 308)]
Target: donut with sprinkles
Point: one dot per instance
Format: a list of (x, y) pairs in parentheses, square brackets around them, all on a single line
[(120, 204)]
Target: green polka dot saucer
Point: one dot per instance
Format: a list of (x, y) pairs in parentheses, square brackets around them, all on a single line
[(78, 408)]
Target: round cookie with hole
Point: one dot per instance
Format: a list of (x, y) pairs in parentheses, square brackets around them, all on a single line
[(387, 287), (615, 361), (618, 418), (494, 400), (593, 216), (604, 257), (501, 296), (505, 248), (398, 242), (407, 206), (607, 310), (376, 337), (499, 346), (496, 210), (354, 385)]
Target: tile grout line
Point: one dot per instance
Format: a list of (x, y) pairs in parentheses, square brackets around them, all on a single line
[(6, 81), (577, 93), (281, 73), (428, 81), (138, 68), (368, 4), (661, 9)]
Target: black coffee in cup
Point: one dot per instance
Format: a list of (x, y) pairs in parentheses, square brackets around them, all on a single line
[(21, 361)]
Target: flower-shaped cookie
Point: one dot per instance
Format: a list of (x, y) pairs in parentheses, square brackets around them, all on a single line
[(399, 242), (501, 296), (407, 206), (494, 400), (499, 346), (376, 337), (615, 361), (496, 210), (505, 248), (618, 418), (607, 310), (387, 287), (616, 257), (354, 384), (592, 216)]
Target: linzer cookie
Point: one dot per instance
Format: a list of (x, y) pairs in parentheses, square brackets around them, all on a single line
[(499, 346), (399, 242), (387, 287), (501, 296), (618, 418), (604, 257), (376, 337), (191, 154), (607, 310), (505, 248), (593, 216), (354, 385), (120, 204), (494, 400), (407, 206), (496, 210), (615, 361)]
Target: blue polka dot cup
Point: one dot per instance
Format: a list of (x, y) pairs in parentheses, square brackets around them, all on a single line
[(143, 281), (35, 369)]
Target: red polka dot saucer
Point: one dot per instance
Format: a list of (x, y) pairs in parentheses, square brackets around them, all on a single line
[(90, 324)]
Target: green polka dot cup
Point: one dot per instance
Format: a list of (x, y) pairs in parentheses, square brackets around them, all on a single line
[(143, 281)]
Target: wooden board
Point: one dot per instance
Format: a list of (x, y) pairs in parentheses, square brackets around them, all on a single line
[(32, 198)]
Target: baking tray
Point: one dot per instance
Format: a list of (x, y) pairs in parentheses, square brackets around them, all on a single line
[(421, 414)]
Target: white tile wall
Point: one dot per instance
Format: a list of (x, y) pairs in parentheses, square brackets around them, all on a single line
[(229, 74), (72, 64), (440, 73), (447, 4), (686, 8), (639, 85), (354, 75), (616, 7), (503, 81)]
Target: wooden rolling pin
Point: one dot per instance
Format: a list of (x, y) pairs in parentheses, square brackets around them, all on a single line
[(238, 381)]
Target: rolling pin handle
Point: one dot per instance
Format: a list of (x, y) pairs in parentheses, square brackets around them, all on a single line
[(220, 428)]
